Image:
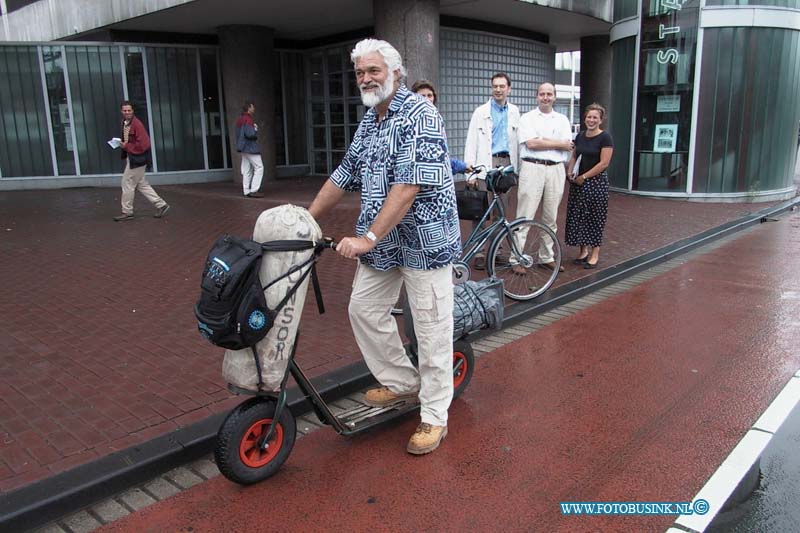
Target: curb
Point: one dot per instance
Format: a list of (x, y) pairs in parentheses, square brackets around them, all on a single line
[(51, 498)]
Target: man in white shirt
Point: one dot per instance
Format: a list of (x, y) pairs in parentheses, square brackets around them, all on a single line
[(545, 138), (492, 135)]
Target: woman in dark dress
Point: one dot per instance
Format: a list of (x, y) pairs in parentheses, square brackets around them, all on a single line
[(587, 205)]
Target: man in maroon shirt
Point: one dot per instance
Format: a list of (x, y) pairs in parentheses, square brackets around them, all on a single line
[(136, 152)]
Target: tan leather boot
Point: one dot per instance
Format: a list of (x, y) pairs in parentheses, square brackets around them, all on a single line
[(426, 438), (382, 396)]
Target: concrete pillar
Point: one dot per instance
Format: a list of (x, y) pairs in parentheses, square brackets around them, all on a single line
[(248, 64), (412, 28), (596, 73)]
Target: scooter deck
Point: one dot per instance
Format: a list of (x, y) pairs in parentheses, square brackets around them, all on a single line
[(362, 417)]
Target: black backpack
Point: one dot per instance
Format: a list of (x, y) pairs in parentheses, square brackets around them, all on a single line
[(232, 310)]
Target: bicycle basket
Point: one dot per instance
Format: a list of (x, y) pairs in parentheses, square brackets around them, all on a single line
[(500, 182), (471, 204)]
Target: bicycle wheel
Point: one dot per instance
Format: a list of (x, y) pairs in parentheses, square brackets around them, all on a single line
[(523, 277), (463, 366)]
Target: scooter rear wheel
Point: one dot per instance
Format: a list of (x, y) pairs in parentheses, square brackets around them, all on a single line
[(463, 366), (237, 454)]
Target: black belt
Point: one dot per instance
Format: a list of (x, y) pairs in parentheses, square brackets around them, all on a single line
[(541, 161), (501, 154)]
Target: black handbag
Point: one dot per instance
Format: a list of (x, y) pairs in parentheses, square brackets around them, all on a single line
[(500, 182), (471, 204)]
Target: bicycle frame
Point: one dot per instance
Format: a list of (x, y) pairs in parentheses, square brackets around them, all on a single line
[(479, 236)]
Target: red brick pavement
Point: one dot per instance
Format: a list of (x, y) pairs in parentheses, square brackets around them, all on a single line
[(99, 351)]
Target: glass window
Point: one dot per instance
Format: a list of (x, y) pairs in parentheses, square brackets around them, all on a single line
[(59, 109), (135, 79), (321, 163), (294, 82), (777, 3), (337, 113), (623, 72), (320, 140), (177, 130), (211, 108), (746, 145), (664, 104), (95, 80), (277, 118), (318, 114), (24, 138)]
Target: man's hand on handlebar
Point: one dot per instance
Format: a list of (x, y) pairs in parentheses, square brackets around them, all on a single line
[(353, 247)]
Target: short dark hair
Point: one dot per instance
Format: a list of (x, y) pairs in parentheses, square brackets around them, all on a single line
[(246, 106), (126, 102), (501, 75), (425, 84)]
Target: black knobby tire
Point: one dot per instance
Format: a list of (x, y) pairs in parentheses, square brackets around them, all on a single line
[(236, 453), (529, 279), (463, 366)]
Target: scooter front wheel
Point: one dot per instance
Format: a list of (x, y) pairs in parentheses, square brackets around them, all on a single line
[(463, 366), (237, 453)]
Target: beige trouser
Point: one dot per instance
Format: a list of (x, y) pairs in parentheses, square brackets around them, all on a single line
[(430, 297), (252, 171), (537, 183), (133, 179)]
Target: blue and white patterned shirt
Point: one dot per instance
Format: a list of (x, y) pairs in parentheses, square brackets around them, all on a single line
[(408, 146)]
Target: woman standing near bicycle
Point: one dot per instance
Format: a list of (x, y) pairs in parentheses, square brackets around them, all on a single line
[(587, 206)]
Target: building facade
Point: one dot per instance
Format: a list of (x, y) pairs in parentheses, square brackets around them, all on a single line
[(701, 94)]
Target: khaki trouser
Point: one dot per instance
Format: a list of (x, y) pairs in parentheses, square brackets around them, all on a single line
[(537, 183), (430, 296), (133, 179)]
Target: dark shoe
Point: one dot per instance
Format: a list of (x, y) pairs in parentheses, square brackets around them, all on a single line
[(161, 211), (519, 270), (123, 216), (551, 266), (255, 195), (589, 266), (580, 260)]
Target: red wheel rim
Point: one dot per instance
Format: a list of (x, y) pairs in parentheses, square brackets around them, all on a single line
[(461, 374), (248, 449)]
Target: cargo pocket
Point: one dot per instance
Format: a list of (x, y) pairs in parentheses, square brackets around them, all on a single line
[(431, 305)]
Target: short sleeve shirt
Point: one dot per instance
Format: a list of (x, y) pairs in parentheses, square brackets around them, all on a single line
[(408, 146), (537, 125), (589, 149)]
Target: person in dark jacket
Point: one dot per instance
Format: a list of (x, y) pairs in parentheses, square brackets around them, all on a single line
[(247, 145), (136, 153)]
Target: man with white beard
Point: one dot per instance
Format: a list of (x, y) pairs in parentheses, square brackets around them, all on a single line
[(407, 234)]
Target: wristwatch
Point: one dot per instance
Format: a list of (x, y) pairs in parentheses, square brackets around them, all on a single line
[(371, 236)]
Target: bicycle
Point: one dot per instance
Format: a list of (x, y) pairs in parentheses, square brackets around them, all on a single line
[(523, 276), (514, 250)]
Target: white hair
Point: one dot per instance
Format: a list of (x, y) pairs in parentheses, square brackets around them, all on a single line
[(389, 53)]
